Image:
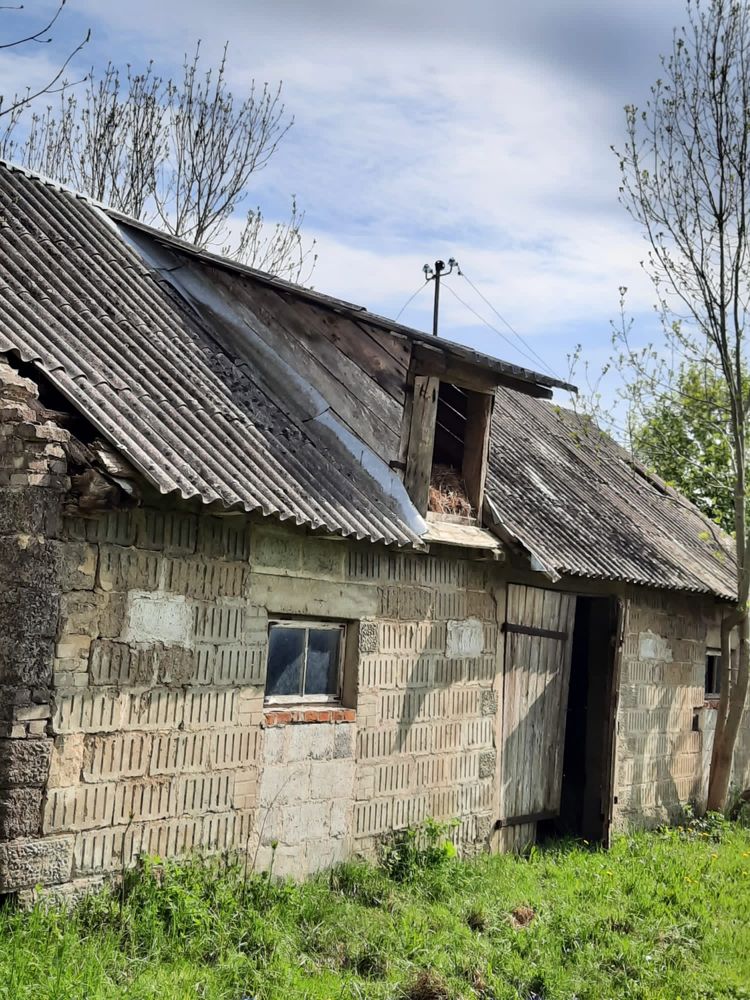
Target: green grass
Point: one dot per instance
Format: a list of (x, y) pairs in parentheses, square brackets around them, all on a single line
[(661, 916)]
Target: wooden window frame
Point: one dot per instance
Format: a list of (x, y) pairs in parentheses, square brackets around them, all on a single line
[(301, 698), (716, 655)]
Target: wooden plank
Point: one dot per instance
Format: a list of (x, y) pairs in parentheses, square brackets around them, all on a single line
[(477, 446), (429, 360), (542, 633), (557, 736), (551, 615), (511, 733), (421, 441), (395, 344), (535, 817), (367, 409), (359, 346), (432, 360), (536, 661)]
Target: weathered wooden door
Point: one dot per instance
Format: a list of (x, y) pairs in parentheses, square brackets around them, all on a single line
[(538, 648)]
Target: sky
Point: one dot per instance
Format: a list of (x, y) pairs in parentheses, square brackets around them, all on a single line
[(478, 130)]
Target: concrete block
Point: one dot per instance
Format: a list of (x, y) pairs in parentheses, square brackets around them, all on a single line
[(103, 758), (465, 638), (653, 647), (282, 783), (24, 763), (66, 760), (26, 863), (341, 817), (310, 742), (20, 812), (331, 779), (487, 761), (368, 637), (274, 741), (157, 617), (278, 551), (324, 599), (304, 821), (343, 740), (323, 559)]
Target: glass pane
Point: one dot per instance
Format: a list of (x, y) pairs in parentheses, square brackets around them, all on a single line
[(323, 647), (286, 650)]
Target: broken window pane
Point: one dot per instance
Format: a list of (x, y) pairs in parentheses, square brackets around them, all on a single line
[(286, 656), (322, 676)]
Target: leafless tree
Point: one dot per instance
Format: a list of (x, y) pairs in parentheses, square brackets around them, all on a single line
[(685, 178), (13, 106), (178, 154)]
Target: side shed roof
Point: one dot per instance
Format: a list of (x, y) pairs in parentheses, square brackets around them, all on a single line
[(578, 503)]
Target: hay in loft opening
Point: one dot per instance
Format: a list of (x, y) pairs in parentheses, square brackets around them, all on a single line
[(448, 493)]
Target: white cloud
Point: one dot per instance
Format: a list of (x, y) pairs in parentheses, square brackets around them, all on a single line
[(474, 131)]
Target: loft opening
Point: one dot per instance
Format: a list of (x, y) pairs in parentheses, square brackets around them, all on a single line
[(448, 448)]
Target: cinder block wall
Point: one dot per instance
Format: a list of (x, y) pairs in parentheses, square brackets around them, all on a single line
[(659, 763), (152, 721)]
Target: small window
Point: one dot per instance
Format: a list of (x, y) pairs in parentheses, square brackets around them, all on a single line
[(712, 683), (304, 661)]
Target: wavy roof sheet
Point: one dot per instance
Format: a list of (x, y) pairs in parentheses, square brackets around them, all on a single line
[(145, 365), (575, 500), (78, 301)]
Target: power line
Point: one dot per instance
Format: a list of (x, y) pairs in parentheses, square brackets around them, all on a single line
[(505, 322), (409, 301), (495, 330)]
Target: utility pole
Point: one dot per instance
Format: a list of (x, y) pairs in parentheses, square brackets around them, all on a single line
[(434, 274)]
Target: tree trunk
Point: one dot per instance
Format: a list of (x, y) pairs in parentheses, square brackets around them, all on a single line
[(733, 698)]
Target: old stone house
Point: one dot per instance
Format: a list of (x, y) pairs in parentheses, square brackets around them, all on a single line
[(229, 617)]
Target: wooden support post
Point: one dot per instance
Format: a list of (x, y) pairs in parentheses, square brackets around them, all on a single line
[(421, 441)]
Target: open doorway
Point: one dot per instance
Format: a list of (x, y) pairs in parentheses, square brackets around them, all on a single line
[(587, 778)]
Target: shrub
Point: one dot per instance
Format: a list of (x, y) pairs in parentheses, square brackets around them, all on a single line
[(406, 854)]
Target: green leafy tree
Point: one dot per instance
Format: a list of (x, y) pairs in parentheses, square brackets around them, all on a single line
[(685, 180), (686, 441)]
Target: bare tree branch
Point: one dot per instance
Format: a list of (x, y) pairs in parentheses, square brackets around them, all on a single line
[(17, 102), (180, 154)]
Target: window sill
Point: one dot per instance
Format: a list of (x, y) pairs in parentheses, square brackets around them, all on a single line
[(273, 716)]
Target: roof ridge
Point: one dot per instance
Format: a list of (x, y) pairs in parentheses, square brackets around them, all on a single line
[(115, 217)]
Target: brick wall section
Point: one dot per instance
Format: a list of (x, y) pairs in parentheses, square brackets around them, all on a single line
[(659, 755), (33, 482), (158, 740), (427, 702), (158, 677)]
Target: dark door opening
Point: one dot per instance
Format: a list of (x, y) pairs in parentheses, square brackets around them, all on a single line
[(586, 800)]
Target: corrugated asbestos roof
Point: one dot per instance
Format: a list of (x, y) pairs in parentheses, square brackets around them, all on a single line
[(146, 366), (76, 300), (574, 500)]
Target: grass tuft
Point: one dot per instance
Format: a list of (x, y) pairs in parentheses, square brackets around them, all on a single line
[(662, 916)]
